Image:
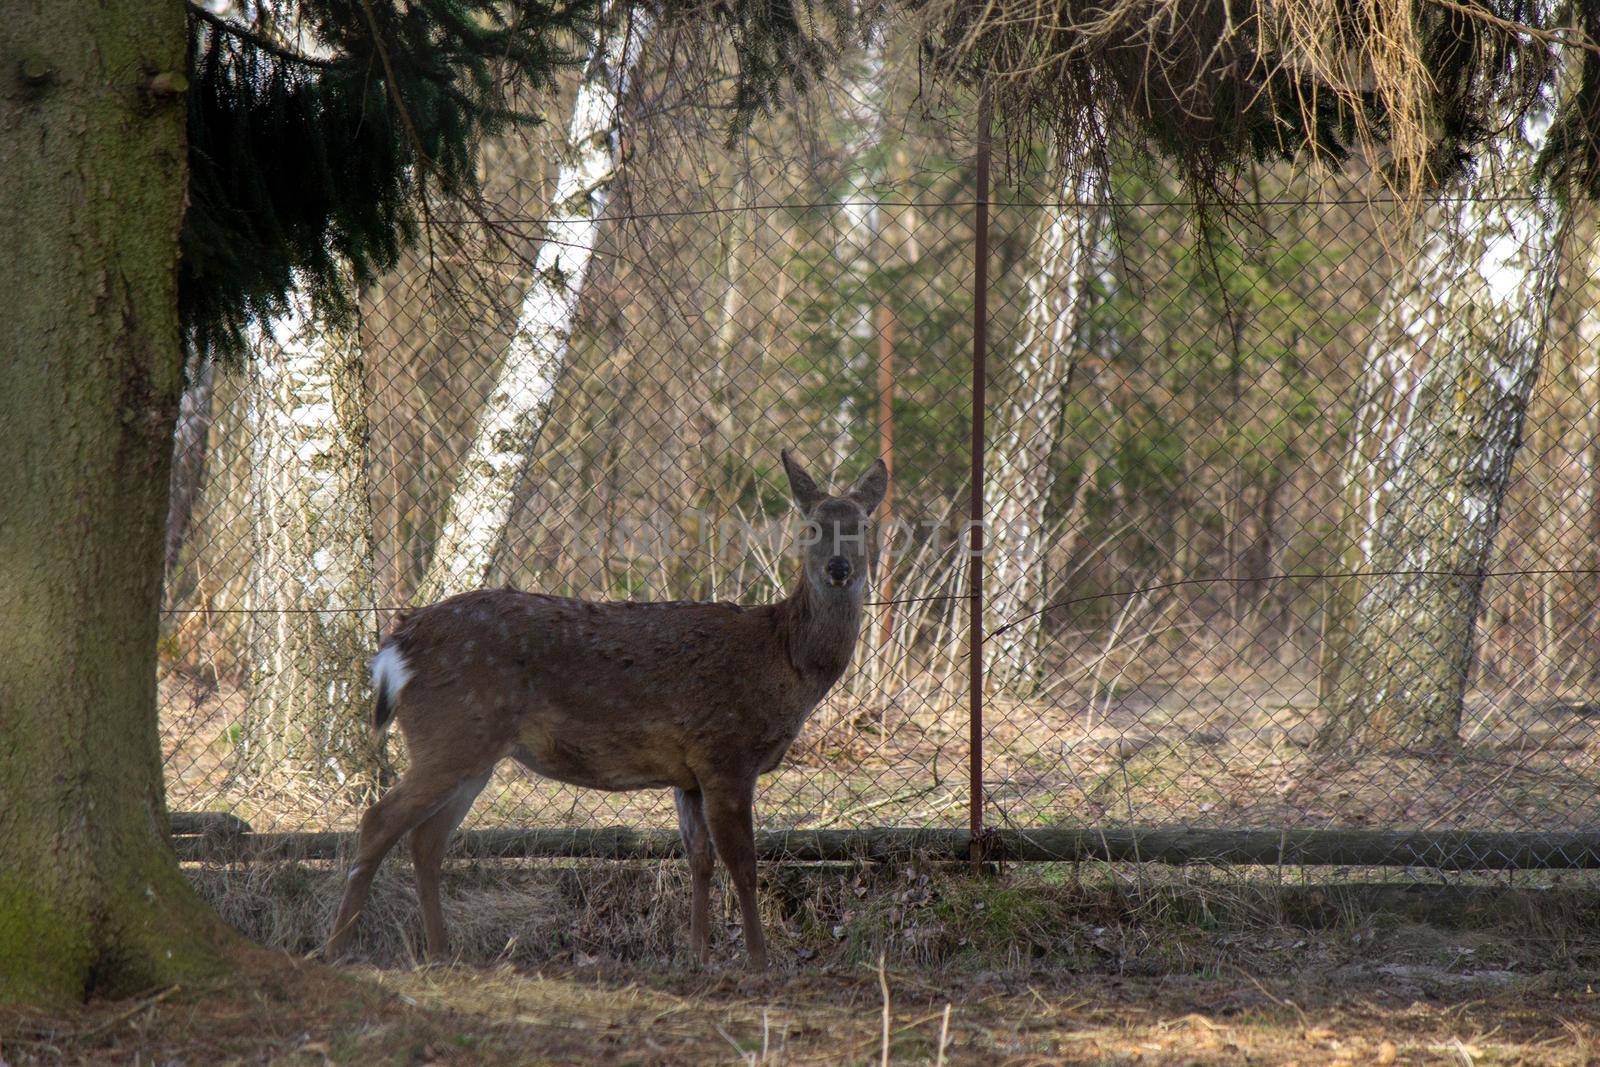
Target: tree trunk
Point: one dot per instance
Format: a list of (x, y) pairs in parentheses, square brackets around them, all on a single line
[(1479, 310), (1379, 415), (1020, 483), (91, 900), (858, 248), (312, 626), (1582, 333), (514, 414)]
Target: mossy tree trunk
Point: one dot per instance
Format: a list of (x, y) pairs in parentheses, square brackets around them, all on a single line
[(1477, 312), (91, 196)]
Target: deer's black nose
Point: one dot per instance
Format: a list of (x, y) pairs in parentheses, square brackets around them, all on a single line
[(839, 570)]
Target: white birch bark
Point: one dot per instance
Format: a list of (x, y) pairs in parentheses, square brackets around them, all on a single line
[(515, 412), (1019, 482), (312, 619), (1478, 305), (859, 221), (1379, 415)]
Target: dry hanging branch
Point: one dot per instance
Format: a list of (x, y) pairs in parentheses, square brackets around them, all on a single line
[(1413, 88)]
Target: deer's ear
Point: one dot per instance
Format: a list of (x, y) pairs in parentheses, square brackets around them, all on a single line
[(805, 491), (869, 491)]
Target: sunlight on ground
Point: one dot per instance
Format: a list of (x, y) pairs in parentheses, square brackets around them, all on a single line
[(598, 1013)]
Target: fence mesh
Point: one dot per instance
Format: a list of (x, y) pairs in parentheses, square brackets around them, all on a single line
[(1292, 523)]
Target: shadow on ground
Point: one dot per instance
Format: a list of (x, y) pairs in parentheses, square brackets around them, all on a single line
[(1032, 967)]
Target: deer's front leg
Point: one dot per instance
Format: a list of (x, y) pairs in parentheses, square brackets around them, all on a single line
[(697, 847), (730, 816)]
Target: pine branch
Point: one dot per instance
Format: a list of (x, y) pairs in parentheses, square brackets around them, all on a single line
[(256, 40), (314, 171)]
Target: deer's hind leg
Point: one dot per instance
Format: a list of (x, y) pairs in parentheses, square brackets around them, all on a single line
[(697, 846), (421, 792), (428, 843)]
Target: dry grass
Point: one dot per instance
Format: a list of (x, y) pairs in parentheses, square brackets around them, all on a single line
[(1148, 920), (1406, 86), (1033, 967)]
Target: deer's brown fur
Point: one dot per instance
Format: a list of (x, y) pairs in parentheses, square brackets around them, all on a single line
[(700, 698)]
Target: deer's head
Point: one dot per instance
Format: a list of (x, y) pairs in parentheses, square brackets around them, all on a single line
[(833, 544)]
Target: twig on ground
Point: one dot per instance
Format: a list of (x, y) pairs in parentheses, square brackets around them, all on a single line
[(123, 1016), (883, 984)]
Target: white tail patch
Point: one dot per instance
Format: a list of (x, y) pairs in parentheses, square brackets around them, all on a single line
[(390, 673)]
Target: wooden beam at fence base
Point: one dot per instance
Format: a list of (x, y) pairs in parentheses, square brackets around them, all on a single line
[(1456, 850), (207, 822)]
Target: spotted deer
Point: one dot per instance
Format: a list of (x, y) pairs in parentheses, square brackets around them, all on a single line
[(700, 698)]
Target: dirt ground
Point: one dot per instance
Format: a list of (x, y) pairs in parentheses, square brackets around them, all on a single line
[(293, 1012), (583, 964)]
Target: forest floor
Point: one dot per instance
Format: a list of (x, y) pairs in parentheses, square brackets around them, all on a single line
[(302, 1014), (1033, 966)]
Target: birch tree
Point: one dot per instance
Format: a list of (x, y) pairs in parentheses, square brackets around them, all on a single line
[(1019, 484), (1380, 411), (867, 340), (312, 623), (518, 405), (1434, 470), (860, 222)]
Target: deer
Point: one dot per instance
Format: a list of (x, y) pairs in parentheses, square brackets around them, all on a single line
[(700, 698)]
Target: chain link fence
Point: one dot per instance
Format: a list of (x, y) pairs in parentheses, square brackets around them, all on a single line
[(1290, 523)]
